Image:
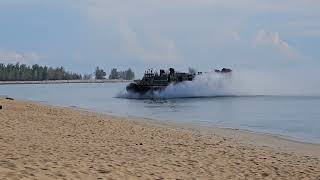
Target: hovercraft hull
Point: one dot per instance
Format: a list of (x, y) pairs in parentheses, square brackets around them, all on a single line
[(143, 89)]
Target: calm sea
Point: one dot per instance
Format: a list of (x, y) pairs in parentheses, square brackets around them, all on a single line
[(295, 117)]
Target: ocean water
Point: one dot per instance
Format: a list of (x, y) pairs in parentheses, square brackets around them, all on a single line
[(294, 117)]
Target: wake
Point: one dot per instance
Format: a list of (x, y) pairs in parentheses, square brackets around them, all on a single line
[(239, 83), (205, 85)]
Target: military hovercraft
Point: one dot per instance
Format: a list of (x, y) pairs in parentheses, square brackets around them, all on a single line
[(154, 81)]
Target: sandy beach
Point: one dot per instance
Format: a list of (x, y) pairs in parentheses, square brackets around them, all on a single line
[(45, 142)]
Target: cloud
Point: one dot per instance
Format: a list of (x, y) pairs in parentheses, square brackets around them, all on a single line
[(16, 57), (155, 49), (273, 39), (196, 32), (185, 25)]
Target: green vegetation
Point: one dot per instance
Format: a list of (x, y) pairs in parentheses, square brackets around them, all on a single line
[(23, 72), (87, 77), (126, 75), (99, 73)]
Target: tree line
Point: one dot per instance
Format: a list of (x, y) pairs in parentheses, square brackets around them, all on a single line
[(115, 74), (127, 74), (23, 72)]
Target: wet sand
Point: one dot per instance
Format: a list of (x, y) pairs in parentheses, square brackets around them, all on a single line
[(44, 142)]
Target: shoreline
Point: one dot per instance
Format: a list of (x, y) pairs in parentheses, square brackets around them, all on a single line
[(50, 142), (281, 142), (241, 135), (64, 81), (205, 128), (187, 125)]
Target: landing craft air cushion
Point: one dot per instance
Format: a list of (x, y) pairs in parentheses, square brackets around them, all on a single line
[(152, 81)]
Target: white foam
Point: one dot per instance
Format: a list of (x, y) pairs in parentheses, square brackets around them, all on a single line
[(238, 83)]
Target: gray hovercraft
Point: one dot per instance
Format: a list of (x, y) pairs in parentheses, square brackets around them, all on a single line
[(154, 81)]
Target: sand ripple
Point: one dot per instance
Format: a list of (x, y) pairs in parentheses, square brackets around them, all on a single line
[(40, 142)]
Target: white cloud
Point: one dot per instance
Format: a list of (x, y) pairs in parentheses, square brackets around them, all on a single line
[(16, 57), (145, 14), (273, 39), (183, 30), (156, 49)]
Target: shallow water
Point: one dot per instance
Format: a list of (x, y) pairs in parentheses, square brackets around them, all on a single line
[(295, 117)]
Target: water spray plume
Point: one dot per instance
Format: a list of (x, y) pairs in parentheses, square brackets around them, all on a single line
[(239, 83)]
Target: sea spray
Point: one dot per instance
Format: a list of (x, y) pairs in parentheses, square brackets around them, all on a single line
[(205, 85), (239, 83)]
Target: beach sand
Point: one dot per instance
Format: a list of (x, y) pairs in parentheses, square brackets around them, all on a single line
[(44, 142)]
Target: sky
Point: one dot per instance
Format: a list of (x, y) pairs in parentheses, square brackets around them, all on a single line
[(266, 35)]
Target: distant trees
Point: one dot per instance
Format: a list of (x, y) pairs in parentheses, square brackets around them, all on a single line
[(22, 72), (126, 75), (114, 74), (100, 73), (129, 74), (87, 76)]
